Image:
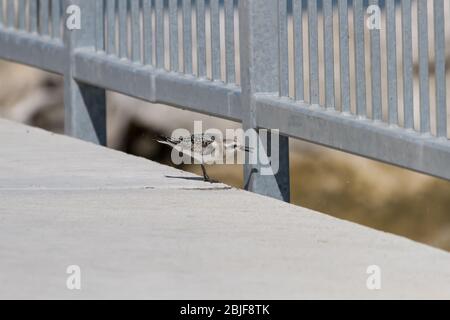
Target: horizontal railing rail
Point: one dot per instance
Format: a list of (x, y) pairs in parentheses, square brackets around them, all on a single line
[(365, 77)]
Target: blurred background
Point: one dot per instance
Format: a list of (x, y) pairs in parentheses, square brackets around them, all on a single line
[(342, 185)]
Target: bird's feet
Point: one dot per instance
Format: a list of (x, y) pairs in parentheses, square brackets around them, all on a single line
[(208, 179)]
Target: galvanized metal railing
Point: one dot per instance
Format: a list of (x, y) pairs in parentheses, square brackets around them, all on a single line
[(311, 69)]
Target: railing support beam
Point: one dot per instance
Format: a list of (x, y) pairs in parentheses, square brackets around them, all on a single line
[(259, 56), (85, 105)]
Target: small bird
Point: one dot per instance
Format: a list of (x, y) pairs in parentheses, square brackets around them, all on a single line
[(202, 148)]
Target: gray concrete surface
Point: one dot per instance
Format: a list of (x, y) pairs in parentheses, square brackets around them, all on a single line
[(138, 229)]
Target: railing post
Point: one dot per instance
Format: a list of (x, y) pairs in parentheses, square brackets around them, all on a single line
[(259, 54), (85, 105)]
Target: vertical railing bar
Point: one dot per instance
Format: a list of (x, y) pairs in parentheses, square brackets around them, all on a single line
[(111, 25), (283, 48), (33, 13), (215, 40), (99, 21), (375, 58), (201, 39), (56, 18), (1, 13), (84, 104), (148, 32), (329, 53), (159, 34), (22, 16), (229, 41), (441, 95), (187, 36), (344, 55), (11, 11), (360, 68), (391, 48), (424, 75), (297, 9), (123, 30), (173, 34), (313, 52), (408, 80), (258, 38), (135, 31), (43, 17)]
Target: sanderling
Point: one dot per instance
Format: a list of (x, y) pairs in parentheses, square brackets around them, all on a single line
[(202, 148)]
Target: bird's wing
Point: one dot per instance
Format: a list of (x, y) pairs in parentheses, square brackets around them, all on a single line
[(194, 149), (189, 151)]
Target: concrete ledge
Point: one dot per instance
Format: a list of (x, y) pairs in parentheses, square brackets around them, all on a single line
[(139, 229)]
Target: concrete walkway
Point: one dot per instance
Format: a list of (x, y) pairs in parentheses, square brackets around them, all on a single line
[(138, 229)]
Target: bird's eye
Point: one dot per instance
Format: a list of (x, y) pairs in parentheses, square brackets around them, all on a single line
[(213, 138), (181, 138)]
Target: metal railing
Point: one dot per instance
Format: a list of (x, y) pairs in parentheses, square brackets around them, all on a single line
[(311, 69)]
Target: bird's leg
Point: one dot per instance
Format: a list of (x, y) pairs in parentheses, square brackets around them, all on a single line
[(205, 175)]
